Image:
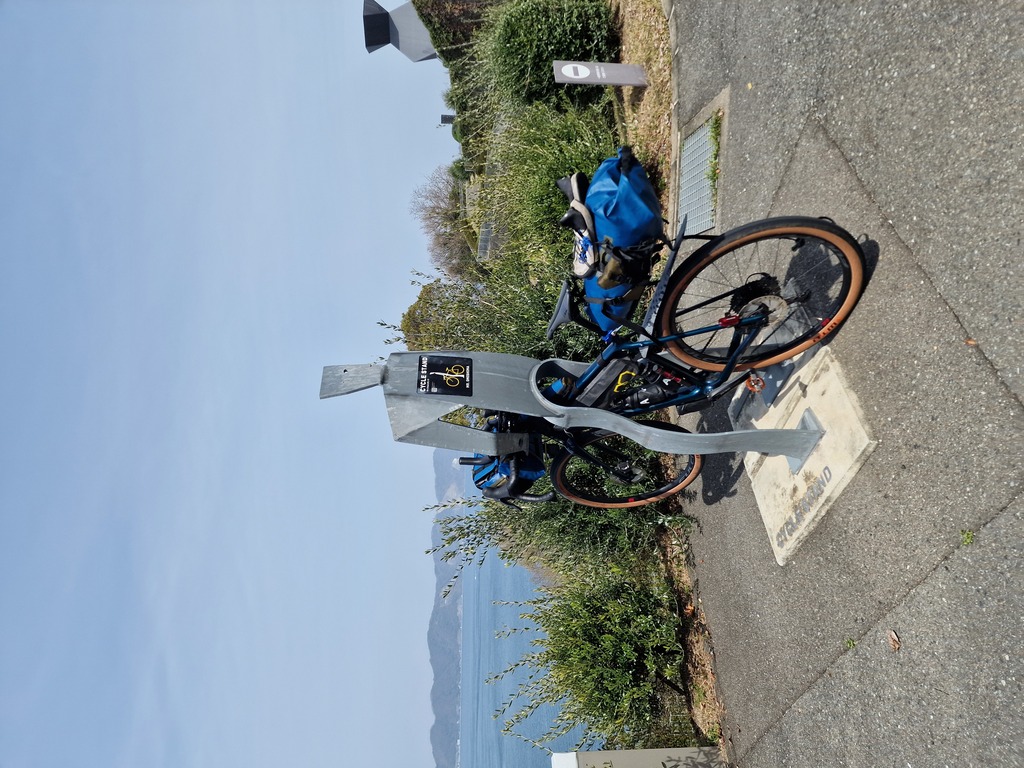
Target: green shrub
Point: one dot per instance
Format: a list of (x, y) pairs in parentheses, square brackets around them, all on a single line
[(565, 536), (608, 638), (452, 24), (537, 145), (470, 96), (496, 314), (523, 37)]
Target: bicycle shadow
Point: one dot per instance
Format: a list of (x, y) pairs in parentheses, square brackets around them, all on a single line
[(871, 254), (721, 471)]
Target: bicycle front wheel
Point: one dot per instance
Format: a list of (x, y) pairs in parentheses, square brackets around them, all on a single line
[(803, 274), (616, 472)]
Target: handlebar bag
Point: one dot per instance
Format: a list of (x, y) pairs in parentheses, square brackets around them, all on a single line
[(506, 477)]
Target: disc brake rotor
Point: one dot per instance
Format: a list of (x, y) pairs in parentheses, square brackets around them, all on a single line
[(757, 286)]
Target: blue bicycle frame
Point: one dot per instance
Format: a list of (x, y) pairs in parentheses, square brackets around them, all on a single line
[(699, 388)]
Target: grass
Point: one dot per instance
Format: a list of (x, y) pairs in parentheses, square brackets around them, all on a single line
[(714, 166), (647, 117)]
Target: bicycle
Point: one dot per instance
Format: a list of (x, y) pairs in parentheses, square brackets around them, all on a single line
[(746, 299)]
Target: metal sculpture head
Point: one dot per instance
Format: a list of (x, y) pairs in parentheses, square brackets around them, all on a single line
[(401, 28)]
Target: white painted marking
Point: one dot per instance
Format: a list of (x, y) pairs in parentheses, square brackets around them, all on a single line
[(576, 71), (791, 505)]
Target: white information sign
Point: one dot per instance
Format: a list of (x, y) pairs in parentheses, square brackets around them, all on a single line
[(599, 73)]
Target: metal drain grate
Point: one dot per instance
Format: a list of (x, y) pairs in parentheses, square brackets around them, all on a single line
[(696, 197)]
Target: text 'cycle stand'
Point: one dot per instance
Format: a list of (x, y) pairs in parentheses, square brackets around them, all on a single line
[(422, 387)]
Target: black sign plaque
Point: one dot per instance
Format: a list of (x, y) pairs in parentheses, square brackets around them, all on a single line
[(440, 375)]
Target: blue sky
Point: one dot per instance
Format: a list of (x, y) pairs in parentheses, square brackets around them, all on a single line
[(201, 204)]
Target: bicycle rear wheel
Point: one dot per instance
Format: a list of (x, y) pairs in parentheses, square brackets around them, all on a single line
[(616, 472), (805, 274)]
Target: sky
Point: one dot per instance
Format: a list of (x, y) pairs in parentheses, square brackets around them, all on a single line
[(203, 202)]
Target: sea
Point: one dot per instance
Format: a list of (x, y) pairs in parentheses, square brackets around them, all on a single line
[(481, 741), (469, 639)]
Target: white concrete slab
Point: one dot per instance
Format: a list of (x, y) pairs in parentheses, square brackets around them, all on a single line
[(792, 495)]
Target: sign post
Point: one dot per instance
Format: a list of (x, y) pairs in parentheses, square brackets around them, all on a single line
[(599, 73)]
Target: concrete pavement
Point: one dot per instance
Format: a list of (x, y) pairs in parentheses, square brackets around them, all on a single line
[(903, 122)]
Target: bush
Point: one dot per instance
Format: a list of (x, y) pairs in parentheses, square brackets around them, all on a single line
[(438, 206), (505, 305), (524, 37), (501, 53), (452, 24), (608, 639), (493, 315), (538, 145), (565, 536)]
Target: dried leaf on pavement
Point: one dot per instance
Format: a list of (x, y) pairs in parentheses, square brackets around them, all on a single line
[(894, 640)]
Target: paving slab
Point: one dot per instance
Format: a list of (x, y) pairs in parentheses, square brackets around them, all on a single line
[(924, 101), (938, 680), (943, 422)]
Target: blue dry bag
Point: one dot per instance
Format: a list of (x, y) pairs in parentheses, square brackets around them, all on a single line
[(628, 228), (625, 208), (511, 475)]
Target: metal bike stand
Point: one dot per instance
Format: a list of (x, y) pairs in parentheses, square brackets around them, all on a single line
[(422, 387)]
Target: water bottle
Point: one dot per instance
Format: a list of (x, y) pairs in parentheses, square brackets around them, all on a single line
[(651, 394)]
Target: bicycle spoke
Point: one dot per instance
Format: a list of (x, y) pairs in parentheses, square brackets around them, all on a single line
[(801, 279)]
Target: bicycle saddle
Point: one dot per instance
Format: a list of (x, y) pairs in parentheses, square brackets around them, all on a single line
[(578, 218)]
